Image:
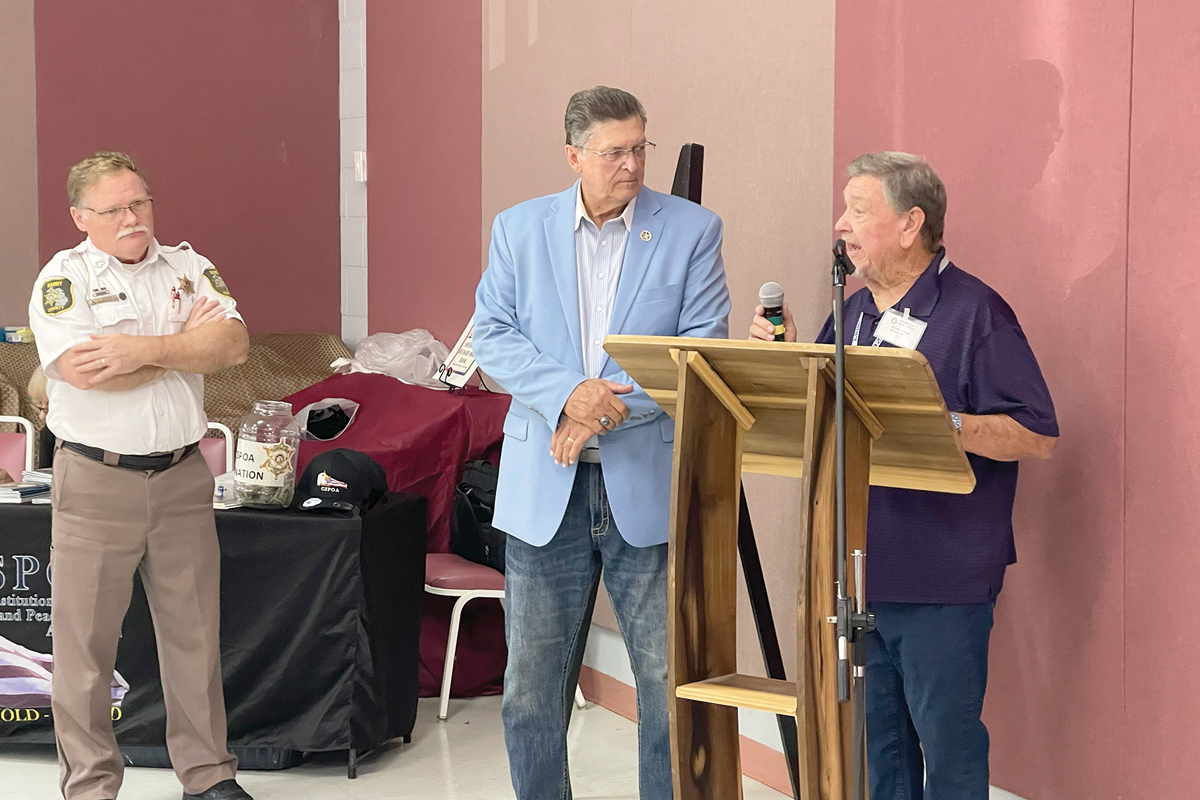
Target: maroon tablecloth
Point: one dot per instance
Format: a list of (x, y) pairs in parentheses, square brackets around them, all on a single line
[(422, 437)]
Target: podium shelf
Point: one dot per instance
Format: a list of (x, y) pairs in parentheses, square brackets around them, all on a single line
[(895, 390), (743, 691)]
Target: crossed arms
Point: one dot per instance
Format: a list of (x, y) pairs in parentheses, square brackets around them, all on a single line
[(120, 362)]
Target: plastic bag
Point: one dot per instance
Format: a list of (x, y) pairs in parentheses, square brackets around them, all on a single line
[(326, 420), (411, 357)]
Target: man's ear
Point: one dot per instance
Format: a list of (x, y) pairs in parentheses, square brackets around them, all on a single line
[(910, 231), (77, 216), (573, 158)]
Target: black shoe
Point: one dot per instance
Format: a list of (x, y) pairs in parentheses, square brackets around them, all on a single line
[(225, 790)]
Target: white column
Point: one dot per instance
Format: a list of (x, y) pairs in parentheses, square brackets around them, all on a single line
[(352, 16)]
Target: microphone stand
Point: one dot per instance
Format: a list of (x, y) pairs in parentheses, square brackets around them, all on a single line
[(853, 621)]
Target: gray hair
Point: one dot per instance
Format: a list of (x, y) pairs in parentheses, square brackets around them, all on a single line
[(598, 104), (908, 182), (87, 172)]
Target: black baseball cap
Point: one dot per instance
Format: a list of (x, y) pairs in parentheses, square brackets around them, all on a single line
[(340, 480)]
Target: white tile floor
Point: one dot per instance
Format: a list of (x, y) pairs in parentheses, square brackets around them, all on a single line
[(460, 759)]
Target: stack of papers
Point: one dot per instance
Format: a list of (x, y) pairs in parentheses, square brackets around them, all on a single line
[(24, 492), (36, 476)]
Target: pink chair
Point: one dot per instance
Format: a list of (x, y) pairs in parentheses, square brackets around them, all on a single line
[(451, 575), (16, 449), (217, 452)]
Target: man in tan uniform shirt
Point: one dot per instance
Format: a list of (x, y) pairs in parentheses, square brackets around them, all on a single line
[(126, 328)]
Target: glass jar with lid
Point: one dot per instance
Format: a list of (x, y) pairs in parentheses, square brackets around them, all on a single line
[(267, 446)]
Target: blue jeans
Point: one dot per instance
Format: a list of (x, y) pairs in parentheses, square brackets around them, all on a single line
[(549, 595), (926, 676)]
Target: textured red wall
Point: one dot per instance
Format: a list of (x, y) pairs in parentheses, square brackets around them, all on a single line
[(1162, 546), (424, 124), (1024, 110), (231, 108)]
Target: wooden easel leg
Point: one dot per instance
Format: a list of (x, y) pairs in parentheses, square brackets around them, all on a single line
[(702, 601), (768, 637), (823, 723)]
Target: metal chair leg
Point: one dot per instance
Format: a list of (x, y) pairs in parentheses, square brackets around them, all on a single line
[(451, 646)]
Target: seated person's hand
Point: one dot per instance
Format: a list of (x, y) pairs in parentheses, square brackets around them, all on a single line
[(760, 328), (5, 477)]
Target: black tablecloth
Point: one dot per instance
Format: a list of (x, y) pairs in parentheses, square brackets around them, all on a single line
[(320, 625)]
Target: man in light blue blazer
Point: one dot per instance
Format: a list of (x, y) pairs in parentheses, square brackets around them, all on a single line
[(585, 474)]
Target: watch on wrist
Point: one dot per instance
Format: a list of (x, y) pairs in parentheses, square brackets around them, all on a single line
[(957, 420)]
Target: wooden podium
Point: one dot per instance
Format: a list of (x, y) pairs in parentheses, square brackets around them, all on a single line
[(769, 407)]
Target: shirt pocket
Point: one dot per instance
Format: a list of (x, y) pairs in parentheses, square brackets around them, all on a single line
[(118, 317), (181, 308)]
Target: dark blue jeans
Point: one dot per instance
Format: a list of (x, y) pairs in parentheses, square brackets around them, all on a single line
[(926, 676), (549, 594)]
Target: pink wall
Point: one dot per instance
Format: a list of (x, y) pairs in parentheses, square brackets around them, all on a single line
[(1162, 554), (1023, 107), (18, 161), (231, 108), (424, 124)]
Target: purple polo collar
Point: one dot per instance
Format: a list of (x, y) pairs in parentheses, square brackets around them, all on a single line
[(922, 296)]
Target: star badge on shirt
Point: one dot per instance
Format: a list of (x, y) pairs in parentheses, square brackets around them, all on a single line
[(646, 235), (185, 283)]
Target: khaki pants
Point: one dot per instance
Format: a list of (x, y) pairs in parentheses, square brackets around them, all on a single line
[(107, 522)]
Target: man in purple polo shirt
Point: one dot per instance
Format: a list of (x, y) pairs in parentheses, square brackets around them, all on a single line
[(935, 561)]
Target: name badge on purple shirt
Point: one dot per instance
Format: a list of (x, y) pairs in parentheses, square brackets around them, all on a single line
[(900, 330)]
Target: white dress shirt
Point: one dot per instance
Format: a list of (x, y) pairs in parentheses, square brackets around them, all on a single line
[(599, 254), (84, 291)]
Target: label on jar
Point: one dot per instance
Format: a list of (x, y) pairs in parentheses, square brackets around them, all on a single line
[(264, 463)]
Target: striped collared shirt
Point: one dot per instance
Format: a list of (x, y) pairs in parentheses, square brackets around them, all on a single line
[(599, 254)]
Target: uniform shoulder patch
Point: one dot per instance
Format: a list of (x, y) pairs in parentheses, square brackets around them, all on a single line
[(214, 280), (57, 296)]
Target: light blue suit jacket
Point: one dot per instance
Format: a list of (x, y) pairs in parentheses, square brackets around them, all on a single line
[(527, 337)]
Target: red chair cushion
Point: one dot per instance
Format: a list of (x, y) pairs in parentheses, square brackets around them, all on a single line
[(450, 571)]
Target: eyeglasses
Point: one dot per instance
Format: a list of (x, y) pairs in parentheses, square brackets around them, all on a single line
[(619, 154), (139, 208)]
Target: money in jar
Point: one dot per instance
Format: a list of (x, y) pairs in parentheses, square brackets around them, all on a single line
[(265, 468)]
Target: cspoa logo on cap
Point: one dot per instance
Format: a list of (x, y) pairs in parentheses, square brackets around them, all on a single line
[(328, 483)]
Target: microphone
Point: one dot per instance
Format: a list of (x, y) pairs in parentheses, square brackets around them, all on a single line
[(771, 297), (841, 261)]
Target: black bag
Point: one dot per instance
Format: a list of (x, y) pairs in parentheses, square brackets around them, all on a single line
[(471, 533)]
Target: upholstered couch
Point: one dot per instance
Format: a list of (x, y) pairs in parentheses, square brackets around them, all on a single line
[(280, 364)]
